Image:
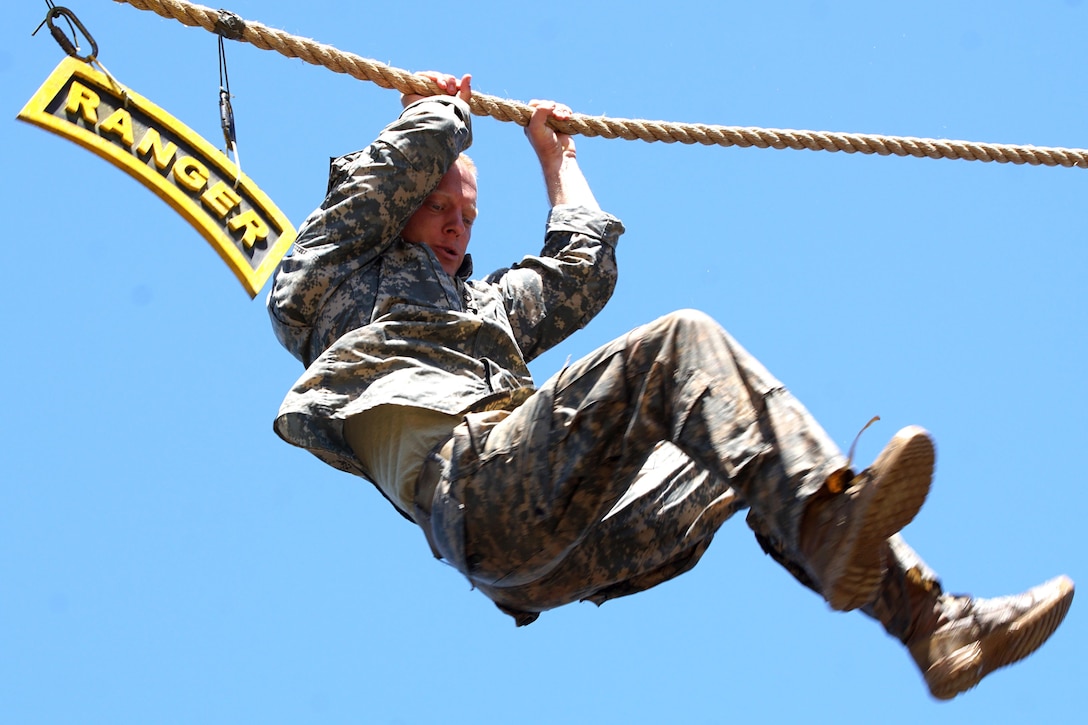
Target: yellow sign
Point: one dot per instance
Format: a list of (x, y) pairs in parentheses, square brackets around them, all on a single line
[(203, 185)]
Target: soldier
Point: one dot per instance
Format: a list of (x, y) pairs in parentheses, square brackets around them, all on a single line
[(613, 475)]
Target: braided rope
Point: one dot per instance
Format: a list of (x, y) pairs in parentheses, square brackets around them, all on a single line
[(266, 38)]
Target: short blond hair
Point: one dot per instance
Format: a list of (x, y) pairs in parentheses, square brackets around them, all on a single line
[(466, 161)]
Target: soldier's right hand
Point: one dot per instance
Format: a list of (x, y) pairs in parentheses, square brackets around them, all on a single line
[(445, 84)]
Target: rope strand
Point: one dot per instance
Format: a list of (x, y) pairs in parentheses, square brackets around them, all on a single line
[(502, 109)]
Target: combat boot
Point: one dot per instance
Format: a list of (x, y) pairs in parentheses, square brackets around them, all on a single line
[(962, 639), (843, 531)]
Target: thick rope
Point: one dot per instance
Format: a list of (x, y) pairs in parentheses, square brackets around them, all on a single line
[(266, 38)]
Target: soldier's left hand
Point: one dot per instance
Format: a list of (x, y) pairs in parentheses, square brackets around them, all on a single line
[(550, 146)]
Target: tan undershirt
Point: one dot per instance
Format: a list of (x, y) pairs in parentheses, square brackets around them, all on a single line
[(391, 441)]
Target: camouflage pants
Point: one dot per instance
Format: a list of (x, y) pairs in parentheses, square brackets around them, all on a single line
[(908, 592), (617, 472)]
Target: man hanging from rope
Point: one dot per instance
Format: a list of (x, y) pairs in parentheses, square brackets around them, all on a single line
[(614, 475)]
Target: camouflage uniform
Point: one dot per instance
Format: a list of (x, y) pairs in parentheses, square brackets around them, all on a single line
[(376, 320), (612, 476), (616, 473)]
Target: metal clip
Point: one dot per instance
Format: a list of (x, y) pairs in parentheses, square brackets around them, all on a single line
[(226, 119), (69, 45)]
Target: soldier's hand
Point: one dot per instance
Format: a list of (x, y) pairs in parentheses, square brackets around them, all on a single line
[(445, 84), (549, 145)]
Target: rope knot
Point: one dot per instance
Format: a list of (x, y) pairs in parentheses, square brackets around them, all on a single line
[(229, 25)]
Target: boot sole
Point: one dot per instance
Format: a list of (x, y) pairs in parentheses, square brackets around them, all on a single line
[(895, 497), (965, 668)]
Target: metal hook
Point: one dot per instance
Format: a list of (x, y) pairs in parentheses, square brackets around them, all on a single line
[(226, 112), (69, 45)]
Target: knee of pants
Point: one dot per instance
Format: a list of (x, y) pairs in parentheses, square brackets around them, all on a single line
[(695, 319)]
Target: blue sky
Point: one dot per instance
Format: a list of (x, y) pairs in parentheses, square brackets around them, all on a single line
[(165, 558)]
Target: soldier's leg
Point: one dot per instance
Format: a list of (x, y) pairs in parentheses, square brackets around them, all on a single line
[(524, 490), (658, 530), (529, 486), (956, 639)]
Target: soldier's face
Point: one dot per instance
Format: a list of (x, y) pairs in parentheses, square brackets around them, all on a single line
[(444, 221)]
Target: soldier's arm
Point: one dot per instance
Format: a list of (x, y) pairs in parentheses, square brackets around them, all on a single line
[(550, 296), (558, 157), (372, 193)]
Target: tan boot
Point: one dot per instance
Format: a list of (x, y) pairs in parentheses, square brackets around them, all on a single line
[(843, 534), (965, 639)]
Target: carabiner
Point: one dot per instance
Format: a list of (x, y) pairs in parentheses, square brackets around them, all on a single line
[(67, 44), (226, 119)]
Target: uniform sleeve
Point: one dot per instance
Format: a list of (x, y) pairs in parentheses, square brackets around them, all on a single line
[(551, 296), (371, 195)]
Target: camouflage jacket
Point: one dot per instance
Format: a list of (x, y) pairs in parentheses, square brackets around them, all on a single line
[(377, 321)]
